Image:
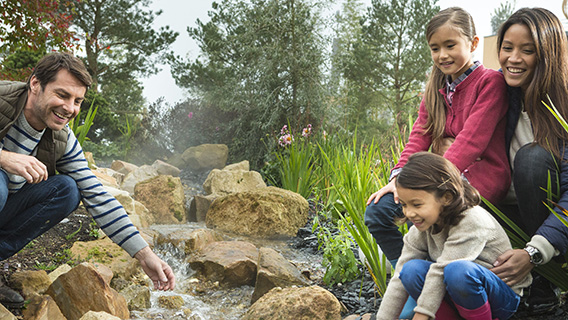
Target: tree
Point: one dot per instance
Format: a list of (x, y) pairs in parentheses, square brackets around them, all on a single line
[(393, 58), (119, 40), (501, 14), (28, 30), (261, 63), (121, 46)]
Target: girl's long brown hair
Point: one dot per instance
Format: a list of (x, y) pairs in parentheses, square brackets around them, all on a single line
[(462, 21), (550, 75)]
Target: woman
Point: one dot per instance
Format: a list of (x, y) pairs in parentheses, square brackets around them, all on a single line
[(533, 53)]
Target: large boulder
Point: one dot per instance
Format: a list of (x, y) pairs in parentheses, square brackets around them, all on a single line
[(137, 297), (123, 166), (30, 283), (267, 212), (275, 271), (140, 174), (199, 207), (5, 314), (83, 289), (232, 263), (164, 198), (243, 165), (206, 157), (190, 241), (223, 182), (107, 253), (105, 179), (100, 315), (166, 168), (42, 308), (307, 303)]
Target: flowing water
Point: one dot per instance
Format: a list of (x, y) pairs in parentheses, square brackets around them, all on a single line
[(204, 300)]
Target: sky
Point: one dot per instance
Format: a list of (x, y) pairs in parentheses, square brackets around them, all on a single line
[(181, 14)]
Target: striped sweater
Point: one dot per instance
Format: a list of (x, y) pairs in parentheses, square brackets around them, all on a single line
[(105, 209)]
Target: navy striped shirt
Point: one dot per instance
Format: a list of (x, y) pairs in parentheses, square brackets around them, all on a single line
[(109, 214)]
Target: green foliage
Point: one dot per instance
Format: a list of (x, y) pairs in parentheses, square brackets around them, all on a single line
[(261, 63), (82, 130), (295, 163), (94, 229), (338, 258), (501, 14), (74, 233), (119, 39), (383, 62)]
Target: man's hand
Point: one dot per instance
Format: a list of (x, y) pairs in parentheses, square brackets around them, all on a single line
[(420, 316), (513, 266), (390, 187), (33, 170), (160, 272)]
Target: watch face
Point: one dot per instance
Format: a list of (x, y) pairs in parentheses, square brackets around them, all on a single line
[(537, 258)]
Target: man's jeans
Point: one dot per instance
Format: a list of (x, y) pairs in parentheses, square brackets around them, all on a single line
[(468, 285), (33, 210)]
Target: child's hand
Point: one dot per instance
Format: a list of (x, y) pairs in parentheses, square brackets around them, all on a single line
[(389, 188)]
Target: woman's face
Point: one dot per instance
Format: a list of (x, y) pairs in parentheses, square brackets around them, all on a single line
[(517, 56)]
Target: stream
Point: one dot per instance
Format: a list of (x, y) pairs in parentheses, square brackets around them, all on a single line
[(203, 301)]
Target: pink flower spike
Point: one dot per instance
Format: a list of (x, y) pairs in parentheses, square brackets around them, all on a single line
[(190, 115)]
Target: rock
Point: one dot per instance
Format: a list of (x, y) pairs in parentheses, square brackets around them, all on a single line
[(190, 241), (171, 302), (275, 271), (106, 252), (105, 179), (5, 314), (224, 182), (243, 165), (100, 315), (83, 289), (143, 173), (232, 263), (119, 177), (166, 168), (137, 297), (90, 160), (124, 198), (268, 212), (42, 308), (105, 272), (176, 160), (199, 207), (59, 271), (30, 282), (206, 157), (308, 303), (123, 167), (164, 198)]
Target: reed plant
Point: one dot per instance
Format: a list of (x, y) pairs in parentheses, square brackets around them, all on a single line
[(81, 130)]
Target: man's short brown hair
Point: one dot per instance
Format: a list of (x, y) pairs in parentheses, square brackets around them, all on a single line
[(48, 67)]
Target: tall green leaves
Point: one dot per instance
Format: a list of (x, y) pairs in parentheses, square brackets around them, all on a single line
[(262, 62)]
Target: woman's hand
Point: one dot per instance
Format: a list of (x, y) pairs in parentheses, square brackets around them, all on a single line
[(513, 266), (389, 188)]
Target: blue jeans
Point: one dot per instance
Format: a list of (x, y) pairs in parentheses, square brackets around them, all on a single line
[(380, 220), (531, 168), (468, 285), (33, 210)]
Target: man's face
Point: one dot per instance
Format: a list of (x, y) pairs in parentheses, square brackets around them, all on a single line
[(57, 104)]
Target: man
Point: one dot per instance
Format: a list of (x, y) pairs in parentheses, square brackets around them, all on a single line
[(35, 142)]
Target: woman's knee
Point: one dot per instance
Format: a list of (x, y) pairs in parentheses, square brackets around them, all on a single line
[(532, 158)]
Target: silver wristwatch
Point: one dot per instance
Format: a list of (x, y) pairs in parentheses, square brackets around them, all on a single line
[(535, 255)]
